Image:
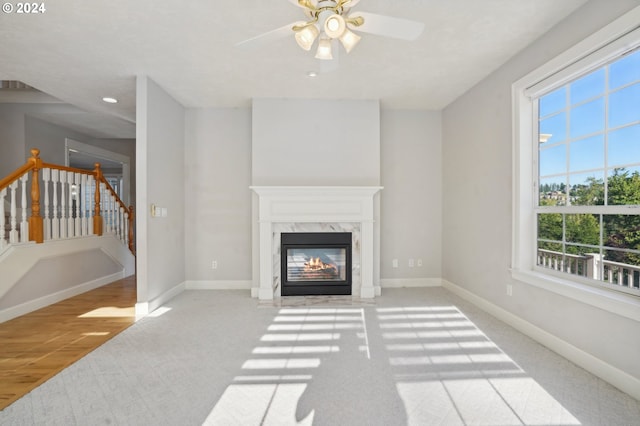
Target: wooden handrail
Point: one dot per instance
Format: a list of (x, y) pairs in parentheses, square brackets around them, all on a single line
[(34, 164), (15, 175), (67, 169)]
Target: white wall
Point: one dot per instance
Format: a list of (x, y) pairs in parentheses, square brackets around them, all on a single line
[(62, 272), (477, 202), (20, 131), (411, 202), (218, 160), (217, 194), (315, 142), (12, 145), (160, 144)]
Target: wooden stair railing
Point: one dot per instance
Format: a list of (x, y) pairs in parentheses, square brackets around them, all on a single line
[(76, 218)]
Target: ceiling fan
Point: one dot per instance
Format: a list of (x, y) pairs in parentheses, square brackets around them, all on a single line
[(330, 21)]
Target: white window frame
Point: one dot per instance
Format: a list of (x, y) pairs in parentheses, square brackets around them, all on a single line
[(620, 36)]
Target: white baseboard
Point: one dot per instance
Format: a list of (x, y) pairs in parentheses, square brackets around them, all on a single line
[(219, 285), (41, 302), (410, 282), (618, 378), (145, 308)]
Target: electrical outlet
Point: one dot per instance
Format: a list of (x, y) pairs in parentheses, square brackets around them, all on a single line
[(509, 290), (411, 263), (394, 262), (214, 264), (419, 263)]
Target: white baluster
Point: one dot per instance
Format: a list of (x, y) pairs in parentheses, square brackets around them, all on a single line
[(14, 235), (24, 224), (121, 224), (82, 204), (71, 226), (77, 220), (126, 229), (55, 221), (116, 216), (63, 206), (46, 221), (109, 211), (3, 230), (103, 211), (90, 210)]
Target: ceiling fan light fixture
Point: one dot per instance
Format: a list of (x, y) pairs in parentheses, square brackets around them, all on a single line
[(349, 39), (306, 36), (335, 26), (324, 49)]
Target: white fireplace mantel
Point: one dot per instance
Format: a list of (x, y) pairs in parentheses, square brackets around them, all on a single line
[(315, 204)]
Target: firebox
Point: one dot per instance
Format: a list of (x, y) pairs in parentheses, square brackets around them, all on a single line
[(315, 263)]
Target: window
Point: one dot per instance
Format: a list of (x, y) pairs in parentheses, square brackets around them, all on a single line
[(576, 169), (589, 175)]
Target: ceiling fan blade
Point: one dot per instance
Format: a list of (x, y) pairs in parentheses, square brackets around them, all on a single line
[(388, 26), (304, 4), (351, 3), (268, 37)]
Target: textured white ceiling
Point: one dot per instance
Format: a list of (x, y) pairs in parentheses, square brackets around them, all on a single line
[(80, 51)]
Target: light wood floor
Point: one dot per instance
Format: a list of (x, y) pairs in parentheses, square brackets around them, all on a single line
[(36, 346)]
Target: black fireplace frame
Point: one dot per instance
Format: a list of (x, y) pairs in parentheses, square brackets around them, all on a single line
[(297, 240)]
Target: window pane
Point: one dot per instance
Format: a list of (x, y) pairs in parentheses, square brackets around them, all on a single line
[(622, 231), (587, 118), (553, 160), (624, 106), (582, 229), (586, 189), (587, 87), (556, 126), (624, 146), (553, 191), (553, 102), (623, 187), (550, 255), (550, 226), (621, 268), (587, 154), (624, 71)]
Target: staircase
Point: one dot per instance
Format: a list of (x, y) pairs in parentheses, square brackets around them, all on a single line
[(62, 223)]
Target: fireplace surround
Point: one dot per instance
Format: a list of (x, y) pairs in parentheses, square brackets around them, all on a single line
[(280, 209)]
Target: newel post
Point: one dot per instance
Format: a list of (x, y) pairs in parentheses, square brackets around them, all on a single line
[(131, 222), (36, 229), (97, 218)]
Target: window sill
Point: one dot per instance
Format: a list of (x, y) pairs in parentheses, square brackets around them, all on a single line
[(627, 306)]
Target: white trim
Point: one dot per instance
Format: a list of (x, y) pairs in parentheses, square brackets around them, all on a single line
[(627, 306), (145, 308), (315, 204), (618, 378), (219, 285), (41, 302), (410, 282)]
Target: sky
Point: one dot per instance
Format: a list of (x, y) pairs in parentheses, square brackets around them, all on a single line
[(593, 121)]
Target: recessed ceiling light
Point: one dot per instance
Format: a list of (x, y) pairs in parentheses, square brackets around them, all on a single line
[(110, 100), (312, 74)]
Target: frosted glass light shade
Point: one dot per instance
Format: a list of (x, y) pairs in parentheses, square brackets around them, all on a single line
[(349, 40), (334, 26), (324, 49), (306, 36)]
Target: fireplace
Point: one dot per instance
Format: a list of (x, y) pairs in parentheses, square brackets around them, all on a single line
[(315, 263)]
